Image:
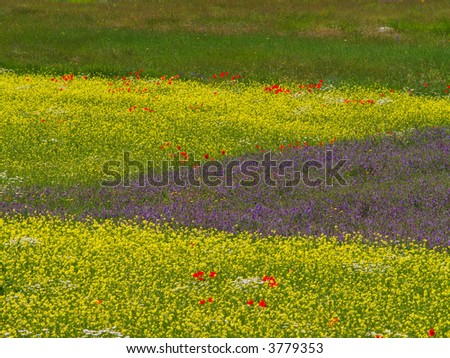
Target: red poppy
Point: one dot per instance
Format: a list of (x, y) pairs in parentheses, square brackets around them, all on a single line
[(431, 333), (378, 336), (265, 278), (202, 302), (198, 274), (250, 302), (98, 302), (206, 156), (210, 299), (262, 303), (212, 274), (223, 152), (272, 282)]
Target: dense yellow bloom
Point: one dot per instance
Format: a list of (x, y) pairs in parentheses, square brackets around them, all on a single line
[(61, 131), (74, 279)]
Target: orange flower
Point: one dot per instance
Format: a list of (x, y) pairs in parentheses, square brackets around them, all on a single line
[(272, 282), (333, 321)]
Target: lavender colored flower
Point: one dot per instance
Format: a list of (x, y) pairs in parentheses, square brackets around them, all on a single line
[(398, 189)]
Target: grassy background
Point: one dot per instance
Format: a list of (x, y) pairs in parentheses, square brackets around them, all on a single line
[(268, 40)]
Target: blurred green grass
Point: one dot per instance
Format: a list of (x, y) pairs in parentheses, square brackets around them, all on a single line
[(395, 43)]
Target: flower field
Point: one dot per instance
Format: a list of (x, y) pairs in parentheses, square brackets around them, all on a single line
[(56, 130), (92, 279), (365, 259)]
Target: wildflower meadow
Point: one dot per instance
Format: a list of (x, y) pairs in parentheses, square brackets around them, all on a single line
[(195, 194)]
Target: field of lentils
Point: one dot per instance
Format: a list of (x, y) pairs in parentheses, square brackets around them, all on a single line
[(96, 96)]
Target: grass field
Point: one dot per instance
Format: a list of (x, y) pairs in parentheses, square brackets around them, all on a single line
[(396, 43), (84, 83)]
